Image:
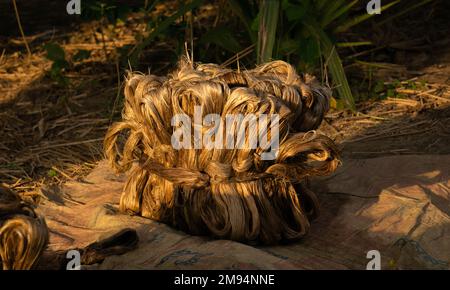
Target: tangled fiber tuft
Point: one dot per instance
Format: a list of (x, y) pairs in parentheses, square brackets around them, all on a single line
[(227, 193), (23, 235)]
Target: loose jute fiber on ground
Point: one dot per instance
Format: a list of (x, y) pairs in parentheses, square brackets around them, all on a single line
[(23, 235), (226, 193)]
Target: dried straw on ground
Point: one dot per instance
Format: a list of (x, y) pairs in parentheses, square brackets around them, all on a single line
[(23, 235), (226, 193)]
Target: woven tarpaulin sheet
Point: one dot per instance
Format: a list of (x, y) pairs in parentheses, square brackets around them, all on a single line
[(397, 205)]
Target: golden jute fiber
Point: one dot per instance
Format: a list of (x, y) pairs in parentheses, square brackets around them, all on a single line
[(23, 235), (229, 193)]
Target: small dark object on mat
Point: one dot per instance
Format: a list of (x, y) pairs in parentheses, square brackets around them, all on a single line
[(117, 244)]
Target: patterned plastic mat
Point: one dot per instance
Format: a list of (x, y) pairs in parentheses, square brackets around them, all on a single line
[(397, 205)]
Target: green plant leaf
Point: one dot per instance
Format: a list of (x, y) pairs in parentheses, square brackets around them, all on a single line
[(59, 65), (54, 52), (320, 4), (255, 23), (338, 12), (327, 11), (354, 44), (268, 22), (222, 37), (363, 17), (161, 27), (243, 10), (295, 11), (390, 93), (309, 50), (334, 63), (51, 173), (289, 45), (81, 55)]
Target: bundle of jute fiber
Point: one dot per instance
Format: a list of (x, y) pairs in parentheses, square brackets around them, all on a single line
[(223, 191), (23, 234)]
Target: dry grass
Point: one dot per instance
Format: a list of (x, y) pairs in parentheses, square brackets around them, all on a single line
[(52, 133), (402, 125)]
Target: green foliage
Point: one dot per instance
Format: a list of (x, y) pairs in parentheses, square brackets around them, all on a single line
[(57, 55), (55, 52), (111, 10), (302, 32), (348, 23), (306, 33), (51, 173), (320, 20), (381, 90), (160, 28), (247, 13), (268, 22), (81, 55), (222, 37), (334, 63)]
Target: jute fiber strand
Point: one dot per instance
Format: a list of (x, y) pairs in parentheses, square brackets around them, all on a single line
[(229, 193), (23, 235)]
